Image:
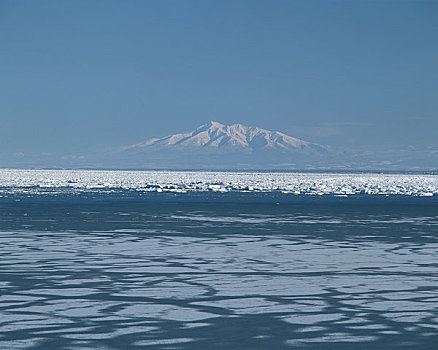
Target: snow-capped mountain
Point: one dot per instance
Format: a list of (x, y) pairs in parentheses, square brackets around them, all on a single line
[(218, 146), (238, 138)]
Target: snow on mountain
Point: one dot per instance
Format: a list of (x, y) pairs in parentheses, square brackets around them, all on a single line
[(236, 137)]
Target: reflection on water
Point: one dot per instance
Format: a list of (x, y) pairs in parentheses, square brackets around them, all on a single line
[(135, 275)]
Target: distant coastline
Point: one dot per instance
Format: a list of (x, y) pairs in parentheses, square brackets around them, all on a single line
[(243, 170)]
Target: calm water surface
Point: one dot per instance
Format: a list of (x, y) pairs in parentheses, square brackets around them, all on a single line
[(206, 271)]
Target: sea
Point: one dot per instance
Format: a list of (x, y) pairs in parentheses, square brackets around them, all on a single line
[(217, 260)]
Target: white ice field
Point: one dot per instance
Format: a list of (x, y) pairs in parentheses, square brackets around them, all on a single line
[(184, 181)]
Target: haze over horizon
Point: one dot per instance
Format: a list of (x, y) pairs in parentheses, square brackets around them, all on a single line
[(85, 76)]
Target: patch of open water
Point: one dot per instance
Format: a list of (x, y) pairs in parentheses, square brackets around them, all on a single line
[(144, 274)]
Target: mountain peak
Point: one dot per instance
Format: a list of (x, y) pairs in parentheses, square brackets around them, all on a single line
[(216, 124), (212, 125)]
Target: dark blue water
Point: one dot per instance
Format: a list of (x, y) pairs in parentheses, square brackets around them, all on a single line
[(211, 271)]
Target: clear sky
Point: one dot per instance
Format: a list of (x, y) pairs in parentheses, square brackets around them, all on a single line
[(78, 75)]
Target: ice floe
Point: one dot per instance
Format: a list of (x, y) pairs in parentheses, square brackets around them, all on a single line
[(14, 180)]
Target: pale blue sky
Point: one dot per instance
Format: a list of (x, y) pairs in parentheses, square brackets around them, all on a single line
[(78, 75)]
